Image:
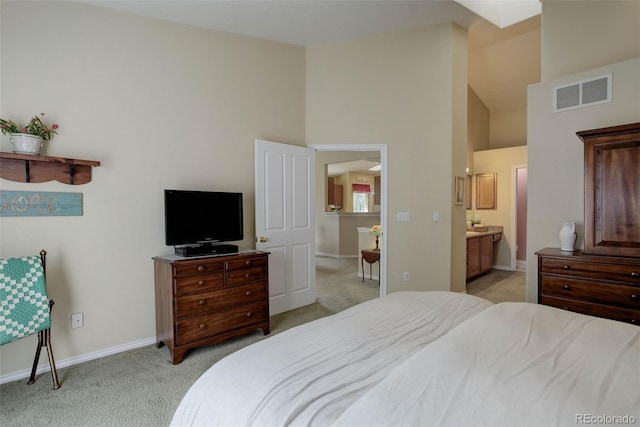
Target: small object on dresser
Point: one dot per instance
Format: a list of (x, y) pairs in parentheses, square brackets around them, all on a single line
[(568, 236)]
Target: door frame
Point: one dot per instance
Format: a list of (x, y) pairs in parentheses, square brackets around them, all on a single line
[(382, 148)]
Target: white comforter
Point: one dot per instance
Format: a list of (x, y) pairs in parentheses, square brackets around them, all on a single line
[(513, 364), (311, 374)]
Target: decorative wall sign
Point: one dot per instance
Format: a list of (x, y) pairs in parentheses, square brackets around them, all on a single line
[(39, 203), (364, 179)]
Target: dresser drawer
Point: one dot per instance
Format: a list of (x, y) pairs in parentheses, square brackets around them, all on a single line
[(627, 296), (247, 275), (196, 267), (247, 263), (600, 310), (209, 324), (596, 270), (215, 300), (189, 285)]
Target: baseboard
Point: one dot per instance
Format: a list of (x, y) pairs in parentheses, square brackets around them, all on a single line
[(521, 265), (373, 276), (324, 254), (501, 267), (75, 360)]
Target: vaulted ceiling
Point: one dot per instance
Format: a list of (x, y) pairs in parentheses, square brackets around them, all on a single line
[(502, 61)]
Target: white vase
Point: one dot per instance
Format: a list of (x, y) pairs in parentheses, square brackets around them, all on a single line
[(24, 143), (568, 236)]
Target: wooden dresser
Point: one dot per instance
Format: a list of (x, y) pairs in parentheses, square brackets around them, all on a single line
[(203, 301), (591, 284), (604, 279)]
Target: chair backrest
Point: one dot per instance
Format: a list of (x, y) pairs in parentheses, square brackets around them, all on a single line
[(24, 304)]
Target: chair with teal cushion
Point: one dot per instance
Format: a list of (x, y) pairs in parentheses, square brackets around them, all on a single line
[(25, 308)]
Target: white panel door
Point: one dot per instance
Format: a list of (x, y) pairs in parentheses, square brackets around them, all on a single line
[(285, 222)]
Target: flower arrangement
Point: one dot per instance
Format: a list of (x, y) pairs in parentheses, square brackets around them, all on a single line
[(35, 127), (376, 230)]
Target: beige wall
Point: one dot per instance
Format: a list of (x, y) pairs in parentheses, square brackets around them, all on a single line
[(459, 110), (580, 40), (398, 89), (501, 162), (582, 35), (477, 128), (508, 127), (498, 73), (161, 105)]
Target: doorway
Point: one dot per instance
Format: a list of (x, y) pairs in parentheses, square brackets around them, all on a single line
[(520, 218), (382, 149)]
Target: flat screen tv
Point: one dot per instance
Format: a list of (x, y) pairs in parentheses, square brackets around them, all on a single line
[(197, 222)]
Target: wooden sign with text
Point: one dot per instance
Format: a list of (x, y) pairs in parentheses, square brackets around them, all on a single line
[(39, 203)]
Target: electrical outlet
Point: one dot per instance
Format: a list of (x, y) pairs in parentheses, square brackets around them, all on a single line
[(405, 276), (77, 320), (403, 216)]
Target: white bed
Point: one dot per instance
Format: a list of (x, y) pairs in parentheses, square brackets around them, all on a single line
[(427, 358)]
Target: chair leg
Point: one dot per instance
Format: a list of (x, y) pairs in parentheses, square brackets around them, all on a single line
[(32, 378), (44, 339), (52, 362)]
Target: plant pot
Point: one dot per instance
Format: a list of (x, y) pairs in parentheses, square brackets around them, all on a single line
[(24, 143)]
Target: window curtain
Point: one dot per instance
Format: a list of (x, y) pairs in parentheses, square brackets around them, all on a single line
[(361, 188)]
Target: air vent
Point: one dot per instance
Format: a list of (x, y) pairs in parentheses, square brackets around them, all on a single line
[(582, 94)]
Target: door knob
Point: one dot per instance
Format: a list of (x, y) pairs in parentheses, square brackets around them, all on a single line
[(263, 239)]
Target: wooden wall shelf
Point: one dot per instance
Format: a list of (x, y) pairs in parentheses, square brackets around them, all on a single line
[(29, 168)]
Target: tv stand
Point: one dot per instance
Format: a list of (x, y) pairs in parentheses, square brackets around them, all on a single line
[(206, 249), (204, 301)]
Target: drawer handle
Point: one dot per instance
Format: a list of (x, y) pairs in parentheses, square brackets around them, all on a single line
[(635, 297), (200, 268), (200, 282), (202, 326), (249, 293), (635, 274), (566, 267), (566, 287), (201, 302), (248, 262), (247, 275), (249, 314)]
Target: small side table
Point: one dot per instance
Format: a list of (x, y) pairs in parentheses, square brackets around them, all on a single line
[(371, 256)]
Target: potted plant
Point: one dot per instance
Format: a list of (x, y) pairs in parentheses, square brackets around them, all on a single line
[(30, 138)]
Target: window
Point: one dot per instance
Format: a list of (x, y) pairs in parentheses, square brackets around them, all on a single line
[(361, 202)]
